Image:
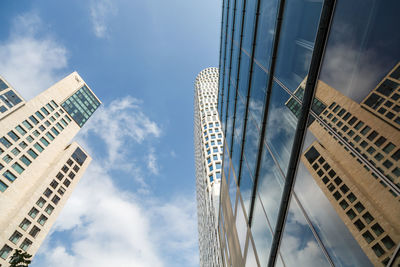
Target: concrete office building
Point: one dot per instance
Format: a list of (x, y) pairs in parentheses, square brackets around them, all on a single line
[(39, 166), (311, 157), (208, 142)]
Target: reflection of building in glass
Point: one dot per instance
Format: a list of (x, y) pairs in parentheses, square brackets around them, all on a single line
[(208, 142), (384, 100), (272, 209), (39, 167), (355, 161)]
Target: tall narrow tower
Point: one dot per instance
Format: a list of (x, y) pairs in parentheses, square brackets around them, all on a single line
[(208, 146), (39, 167)]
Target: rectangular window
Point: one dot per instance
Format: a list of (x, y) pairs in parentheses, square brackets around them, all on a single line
[(61, 190), (5, 142), (20, 130), (50, 136), (32, 153), (67, 182), (41, 202), (54, 184), (50, 107), (7, 158), (33, 212), (15, 151), (71, 175), (25, 224), (11, 177), (27, 125), (13, 135), (59, 176), (57, 114), (47, 192), (26, 244), (47, 123), (25, 160), (44, 141), (44, 110), (38, 147), (55, 199), (59, 126), (16, 236), (39, 115), (23, 145), (29, 138), (5, 251), (42, 220), (54, 130), (53, 103), (49, 209), (64, 122), (18, 168), (33, 119), (36, 133), (3, 186)]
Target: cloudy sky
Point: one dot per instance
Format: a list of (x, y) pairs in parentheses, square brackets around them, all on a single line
[(135, 205)]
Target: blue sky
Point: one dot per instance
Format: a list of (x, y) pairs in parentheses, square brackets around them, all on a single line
[(135, 206)]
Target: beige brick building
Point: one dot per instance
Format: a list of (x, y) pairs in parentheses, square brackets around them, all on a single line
[(355, 162), (39, 167)]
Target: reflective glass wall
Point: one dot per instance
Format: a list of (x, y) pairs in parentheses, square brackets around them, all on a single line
[(326, 194)]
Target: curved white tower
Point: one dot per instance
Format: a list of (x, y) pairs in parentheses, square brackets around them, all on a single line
[(208, 143)]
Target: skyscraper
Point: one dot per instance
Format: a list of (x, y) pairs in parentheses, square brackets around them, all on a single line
[(309, 105), (208, 142), (39, 166)]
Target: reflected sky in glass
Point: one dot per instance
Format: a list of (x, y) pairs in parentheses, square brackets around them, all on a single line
[(281, 126), (298, 245), (362, 47), (296, 42), (270, 187)]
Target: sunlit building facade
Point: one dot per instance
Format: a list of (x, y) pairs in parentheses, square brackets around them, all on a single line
[(208, 143), (309, 102), (39, 166)]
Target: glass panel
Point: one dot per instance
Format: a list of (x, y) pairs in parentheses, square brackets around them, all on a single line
[(343, 249), (248, 25), (296, 43), (241, 226), (265, 32), (299, 246), (261, 232), (257, 94), (270, 186), (81, 105), (281, 126), (246, 186), (251, 257)]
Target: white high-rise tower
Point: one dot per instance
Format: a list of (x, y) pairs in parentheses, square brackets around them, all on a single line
[(39, 167), (208, 143)]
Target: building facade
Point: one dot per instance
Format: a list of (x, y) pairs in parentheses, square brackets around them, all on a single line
[(208, 143), (309, 105), (39, 166)]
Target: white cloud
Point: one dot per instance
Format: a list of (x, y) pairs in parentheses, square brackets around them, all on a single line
[(31, 63), (109, 226), (119, 123), (100, 13), (152, 162)]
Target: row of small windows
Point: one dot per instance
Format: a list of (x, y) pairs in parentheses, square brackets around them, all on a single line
[(38, 147), (347, 200), (35, 211), (364, 139)]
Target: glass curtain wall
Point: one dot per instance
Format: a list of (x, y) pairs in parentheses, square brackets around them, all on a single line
[(343, 171)]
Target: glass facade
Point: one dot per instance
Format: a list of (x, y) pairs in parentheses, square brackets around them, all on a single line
[(309, 101), (81, 105)]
